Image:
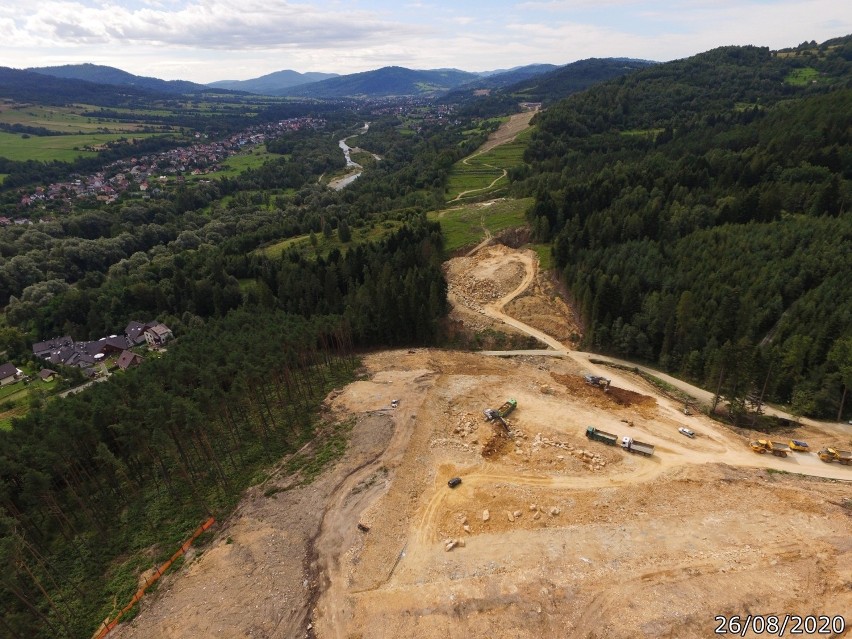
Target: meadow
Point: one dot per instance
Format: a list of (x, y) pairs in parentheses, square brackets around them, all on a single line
[(467, 224), (484, 173), (324, 245)]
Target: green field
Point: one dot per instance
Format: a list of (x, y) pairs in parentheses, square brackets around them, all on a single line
[(802, 77), (236, 164), (325, 245), (482, 174), (66, 120), (64, 148), (466, 226)]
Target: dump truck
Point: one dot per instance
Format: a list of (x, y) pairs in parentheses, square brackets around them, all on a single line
[(765, 446), (508, 406), (633, 446), (829, 455), (601, 436)]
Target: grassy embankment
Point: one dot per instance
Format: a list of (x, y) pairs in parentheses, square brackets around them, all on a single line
[(485, 173)]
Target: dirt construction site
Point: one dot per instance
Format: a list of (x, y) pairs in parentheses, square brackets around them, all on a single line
[(549, 534)]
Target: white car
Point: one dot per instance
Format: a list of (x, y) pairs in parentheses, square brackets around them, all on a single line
[(683, 430), (395, 403)]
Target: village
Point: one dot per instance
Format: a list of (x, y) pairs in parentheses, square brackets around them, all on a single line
[(95, 359), (148, 173)]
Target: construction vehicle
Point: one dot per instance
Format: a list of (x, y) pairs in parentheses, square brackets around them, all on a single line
[(508, 406), (597, 380), (829, 455), (601, 436), (632, 446), (803, 447), (765, 446)]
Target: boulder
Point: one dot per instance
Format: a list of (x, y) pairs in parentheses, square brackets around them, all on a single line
[(510, 516), (486, 515)]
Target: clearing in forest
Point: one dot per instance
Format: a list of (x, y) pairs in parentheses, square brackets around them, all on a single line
[(487, 169)]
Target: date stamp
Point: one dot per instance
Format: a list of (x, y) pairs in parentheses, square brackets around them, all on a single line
[(781, 625)]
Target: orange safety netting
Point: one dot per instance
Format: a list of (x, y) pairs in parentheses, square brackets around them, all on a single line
[(149, 581)]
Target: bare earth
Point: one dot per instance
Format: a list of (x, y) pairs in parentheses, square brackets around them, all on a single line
[(553, 535)]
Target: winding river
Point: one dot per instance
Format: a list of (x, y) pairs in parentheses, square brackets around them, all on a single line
[(350, 163)]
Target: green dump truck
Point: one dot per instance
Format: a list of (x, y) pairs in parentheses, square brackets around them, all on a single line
[(601, 436)]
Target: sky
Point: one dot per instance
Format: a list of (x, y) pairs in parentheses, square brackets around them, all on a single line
[(208, 40)]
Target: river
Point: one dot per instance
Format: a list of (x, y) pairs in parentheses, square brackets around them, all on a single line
[(350, 163)]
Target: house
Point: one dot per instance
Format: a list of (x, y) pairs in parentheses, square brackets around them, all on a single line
[(47, 375), (107, 345), (49, 347), (128, 359), (9, 374), (135, 331), (158, 335)]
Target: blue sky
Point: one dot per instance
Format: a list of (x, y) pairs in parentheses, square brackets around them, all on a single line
[(207, 40)]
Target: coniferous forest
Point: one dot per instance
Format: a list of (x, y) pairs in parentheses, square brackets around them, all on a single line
[(698, 213)]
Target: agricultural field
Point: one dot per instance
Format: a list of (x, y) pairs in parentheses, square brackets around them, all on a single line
[(468, 224), (236, 164), (68, 120), (64, 148)]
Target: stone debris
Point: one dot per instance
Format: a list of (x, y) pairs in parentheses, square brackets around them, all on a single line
[(517, 514), (554, 511), (510, 516), (486, 515)]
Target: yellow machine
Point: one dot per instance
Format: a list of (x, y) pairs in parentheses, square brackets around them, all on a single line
[(801, 446), (829, 455), (765, 446)]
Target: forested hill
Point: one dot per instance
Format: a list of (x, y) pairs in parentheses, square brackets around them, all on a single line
[(700, 215), (575, 77), (116, 77), (29, 86)]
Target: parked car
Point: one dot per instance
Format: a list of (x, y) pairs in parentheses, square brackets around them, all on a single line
[(395, 403), (683, 430), (455, 481)]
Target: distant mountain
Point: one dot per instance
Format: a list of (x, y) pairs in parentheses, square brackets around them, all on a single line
[(273, 83), (507, 77), (575, 77), (385, 82), (28, 86), (117, 77)]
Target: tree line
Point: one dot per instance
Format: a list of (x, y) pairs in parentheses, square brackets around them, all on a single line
[(701, 208)]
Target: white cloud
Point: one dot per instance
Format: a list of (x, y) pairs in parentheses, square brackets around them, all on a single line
[(205, 40), (212, 24)]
